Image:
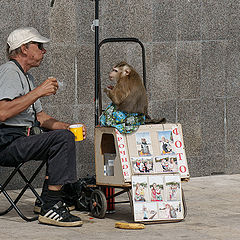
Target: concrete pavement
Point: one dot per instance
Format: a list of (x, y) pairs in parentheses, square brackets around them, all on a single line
[(213, 205)]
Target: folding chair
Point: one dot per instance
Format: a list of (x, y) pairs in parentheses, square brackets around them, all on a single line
[(13, 203)]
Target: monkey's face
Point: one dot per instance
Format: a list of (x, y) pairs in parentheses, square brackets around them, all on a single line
[(119, 72), (114, 75)]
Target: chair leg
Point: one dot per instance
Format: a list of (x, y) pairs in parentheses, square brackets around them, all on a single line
[(13, 203)]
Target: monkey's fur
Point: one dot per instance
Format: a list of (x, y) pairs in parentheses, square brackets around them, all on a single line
[(129, 93)]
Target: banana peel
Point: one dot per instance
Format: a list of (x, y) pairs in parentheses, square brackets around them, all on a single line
[(129, 225)]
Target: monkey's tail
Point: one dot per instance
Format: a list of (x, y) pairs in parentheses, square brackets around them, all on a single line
[(149, 120)]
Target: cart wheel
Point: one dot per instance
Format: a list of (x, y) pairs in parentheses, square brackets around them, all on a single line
[(98, 204)]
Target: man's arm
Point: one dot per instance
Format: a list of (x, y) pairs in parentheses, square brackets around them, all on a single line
[(53, 124), (11, 108)]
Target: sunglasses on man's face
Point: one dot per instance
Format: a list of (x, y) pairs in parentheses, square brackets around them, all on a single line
[(40, 45)]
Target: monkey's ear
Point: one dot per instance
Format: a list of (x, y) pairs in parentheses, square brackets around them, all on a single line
[(127, 72)]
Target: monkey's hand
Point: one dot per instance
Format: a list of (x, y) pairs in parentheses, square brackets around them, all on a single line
[(107, 91)]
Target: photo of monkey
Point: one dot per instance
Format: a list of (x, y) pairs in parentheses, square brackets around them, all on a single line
[(166, 164), (173, 188), (166, 142), (145, 212), (156, 188), (170, 210), (129, 100), (140, 189), (144, 145), (142, 164)]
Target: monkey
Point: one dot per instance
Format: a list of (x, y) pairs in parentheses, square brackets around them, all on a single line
[(129, 93)]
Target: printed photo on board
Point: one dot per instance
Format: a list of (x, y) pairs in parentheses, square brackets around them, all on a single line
[(146, 212), (170, 210), (140, 188), (144, 146), (166, 142), (173, 190), (142, 164), (173, 165), (156, 188), (166, 164)]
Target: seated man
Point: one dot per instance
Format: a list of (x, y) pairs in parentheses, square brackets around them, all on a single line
[(21, 114)]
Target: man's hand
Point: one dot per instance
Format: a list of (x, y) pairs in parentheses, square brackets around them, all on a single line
[(84, 131), (48, 87)]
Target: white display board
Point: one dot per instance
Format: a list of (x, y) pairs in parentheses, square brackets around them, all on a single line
[(157, 197), (157, 149)]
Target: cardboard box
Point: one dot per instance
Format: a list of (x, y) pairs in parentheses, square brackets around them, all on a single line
[(152, 149)]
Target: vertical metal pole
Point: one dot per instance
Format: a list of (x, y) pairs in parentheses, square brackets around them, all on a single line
[(96, 28)]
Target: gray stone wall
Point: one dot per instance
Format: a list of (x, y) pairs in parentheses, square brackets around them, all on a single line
[(192, 62)]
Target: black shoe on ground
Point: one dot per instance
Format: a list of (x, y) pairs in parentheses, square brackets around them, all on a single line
[(38, 206), (59, 215)]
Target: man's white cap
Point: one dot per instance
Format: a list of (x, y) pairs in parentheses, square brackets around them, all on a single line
[(24, 35)]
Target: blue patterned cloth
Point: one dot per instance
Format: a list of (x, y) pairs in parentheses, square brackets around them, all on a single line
[(123, 121)]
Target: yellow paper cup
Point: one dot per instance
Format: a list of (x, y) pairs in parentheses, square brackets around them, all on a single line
[(77, 130)]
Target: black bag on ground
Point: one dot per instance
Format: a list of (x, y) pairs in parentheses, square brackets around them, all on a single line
[(79, 194)]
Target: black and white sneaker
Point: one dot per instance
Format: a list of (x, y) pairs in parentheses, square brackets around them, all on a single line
[(38, 206), (59, 215)]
